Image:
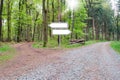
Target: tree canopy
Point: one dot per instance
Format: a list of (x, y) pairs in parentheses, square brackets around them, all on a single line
[(28, 20)]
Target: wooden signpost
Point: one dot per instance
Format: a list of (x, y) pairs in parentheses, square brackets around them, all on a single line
[(60, 29)]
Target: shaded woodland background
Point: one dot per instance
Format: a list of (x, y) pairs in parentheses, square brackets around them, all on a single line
[(28, 20)]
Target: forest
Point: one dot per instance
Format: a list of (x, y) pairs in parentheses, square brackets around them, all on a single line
[(59, 39), (28, 20)]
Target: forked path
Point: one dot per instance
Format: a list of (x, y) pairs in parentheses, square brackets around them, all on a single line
[(94, 62)]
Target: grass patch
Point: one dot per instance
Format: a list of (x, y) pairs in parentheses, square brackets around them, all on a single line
[(64, 44), (37, 45), (116, 45), (6, 53), (4, 48), (91, 42)]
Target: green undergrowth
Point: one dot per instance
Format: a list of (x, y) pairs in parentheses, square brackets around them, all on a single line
[(6, 52), (116, 46), (4, 48), (64, 44)]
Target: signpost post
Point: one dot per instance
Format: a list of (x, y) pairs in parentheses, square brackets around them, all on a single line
[(60, 29)]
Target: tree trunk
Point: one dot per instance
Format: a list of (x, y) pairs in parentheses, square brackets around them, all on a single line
[(103, 32), (37, 14), (113, 36), (9, 20), (45, 23), (93, 29), (19, 23), (53, 11), (72, 34), (1, 10), (53, 17), (118, 27), (59, 19)]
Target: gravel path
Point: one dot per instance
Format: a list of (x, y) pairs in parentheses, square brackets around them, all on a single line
[(94, 62)]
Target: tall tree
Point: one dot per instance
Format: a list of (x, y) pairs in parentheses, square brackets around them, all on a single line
[(118, 23), (19, 22), (1, 10), (45, 23), (59, 19), (9, 19)]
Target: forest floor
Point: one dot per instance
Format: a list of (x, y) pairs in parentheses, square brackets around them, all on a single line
[(27, 58), (93, 62)]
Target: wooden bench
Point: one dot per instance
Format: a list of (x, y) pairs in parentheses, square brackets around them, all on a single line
[(82, 41)]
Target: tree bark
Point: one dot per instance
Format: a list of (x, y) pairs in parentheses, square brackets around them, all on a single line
[(19, 23), (72, 34), (37, 14), (59, 19), (1, 10), (9, 20), (45, 23), (93, 29), (118, 27)]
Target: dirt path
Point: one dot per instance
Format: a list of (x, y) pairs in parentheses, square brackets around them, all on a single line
[(94, 62), (27, 58)]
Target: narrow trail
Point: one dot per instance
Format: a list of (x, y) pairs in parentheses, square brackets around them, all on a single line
[(27, 59), (93, 62)]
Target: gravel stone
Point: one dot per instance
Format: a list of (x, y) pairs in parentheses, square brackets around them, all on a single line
[(94, 62)]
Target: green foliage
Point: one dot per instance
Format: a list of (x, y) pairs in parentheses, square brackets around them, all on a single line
[(37, 45), (91, 42), (52, 43), (6, 53), (65, 44), (4, 48), (27, 19), (116, 45), (80, 16), (6, 57)]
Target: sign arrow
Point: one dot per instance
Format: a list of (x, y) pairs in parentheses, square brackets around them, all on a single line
[(61, 32), (58, 25), (60, 29)]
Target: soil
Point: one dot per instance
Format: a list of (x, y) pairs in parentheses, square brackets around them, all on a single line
[(93, 62), (27, 58)]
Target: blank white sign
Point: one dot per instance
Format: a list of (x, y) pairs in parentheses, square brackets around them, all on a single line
[(59, 25), (61, 32)]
